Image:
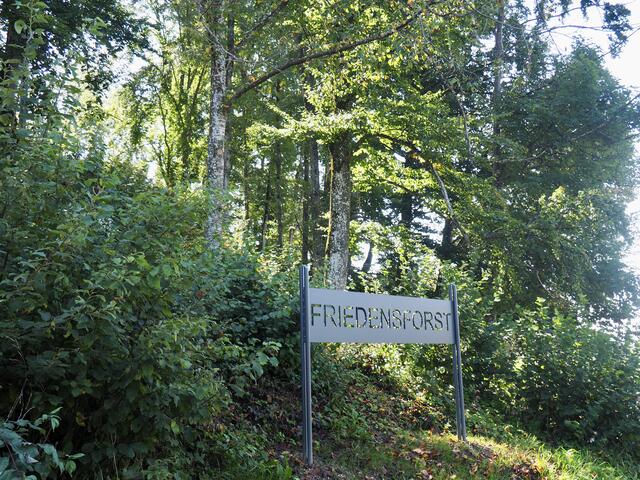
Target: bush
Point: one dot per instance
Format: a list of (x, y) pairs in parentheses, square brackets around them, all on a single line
[(114, 310), (22, 456), (578, 383)]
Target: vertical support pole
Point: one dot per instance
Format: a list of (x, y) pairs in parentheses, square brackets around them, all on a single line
[(305, 360), (461, 424)]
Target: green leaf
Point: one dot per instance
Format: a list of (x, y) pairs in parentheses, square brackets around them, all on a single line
[(175, 428), (50, 450), (257, 368), (70, 467), (10, 437), (20, 25), (132, 392)]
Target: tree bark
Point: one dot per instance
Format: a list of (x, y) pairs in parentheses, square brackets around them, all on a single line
[(228, 74), (314, 193), (266, 215), (366, 266), (247, 192), (12, 56), (407, 213), (216, 181), (315, 205), (341, 150), (446, 249), (498, 54), (306, 193), (279, 207)]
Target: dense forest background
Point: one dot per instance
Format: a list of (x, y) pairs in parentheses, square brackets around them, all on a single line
[(167, 164)]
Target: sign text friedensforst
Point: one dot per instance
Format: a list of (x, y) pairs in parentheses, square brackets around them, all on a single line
[(338, 316)]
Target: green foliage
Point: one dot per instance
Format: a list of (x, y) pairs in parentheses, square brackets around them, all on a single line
[(22, 458), (111, 310), (541, 370), (154, 351), (574, 382), (92, 31), (164, 103)]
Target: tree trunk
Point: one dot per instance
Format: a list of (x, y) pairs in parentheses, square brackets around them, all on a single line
[(315, 205), (12, 56), (216, 170), (406, 210), (407, 200), (339, 211), (228, 73), (277, 154), (306, 193), (498, 54), (446, 249), (366, 266), (266, 215), (315, 194), (247, 193)]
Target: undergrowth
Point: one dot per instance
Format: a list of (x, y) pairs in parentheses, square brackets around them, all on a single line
[(373, 428)]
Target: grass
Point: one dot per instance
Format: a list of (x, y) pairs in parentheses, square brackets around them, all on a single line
[(369, 431), (426, 456)]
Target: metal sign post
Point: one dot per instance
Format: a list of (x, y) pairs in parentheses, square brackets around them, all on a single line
[(305, 360), (461, 425), (340, 316)]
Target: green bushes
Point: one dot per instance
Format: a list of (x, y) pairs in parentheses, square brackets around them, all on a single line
[(31, 460), (113, 313), (578, 383), (547, 373), (552, 375)]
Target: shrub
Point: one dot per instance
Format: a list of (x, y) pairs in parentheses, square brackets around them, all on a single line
[(115, 311)]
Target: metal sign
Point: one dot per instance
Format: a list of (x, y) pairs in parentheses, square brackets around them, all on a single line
[(349, 317)]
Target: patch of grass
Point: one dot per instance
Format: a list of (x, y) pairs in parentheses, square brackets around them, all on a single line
[(368, 430), (428, 456), (354, 440)]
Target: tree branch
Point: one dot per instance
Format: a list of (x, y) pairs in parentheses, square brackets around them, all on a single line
[(339, 48), (204, 12), (262, 22), (443, 189)]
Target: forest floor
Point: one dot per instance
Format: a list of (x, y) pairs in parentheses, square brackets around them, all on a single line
[(364, 430)]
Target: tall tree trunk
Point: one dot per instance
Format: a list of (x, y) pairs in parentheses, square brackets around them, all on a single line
[(14, 41), (315, 194), (315, 205), (341, 150), (12, 56), (498, 53), (277, 158), (306, 193), (228, 73), (247, 192), (496, 96), (266, 215), (216, 169)]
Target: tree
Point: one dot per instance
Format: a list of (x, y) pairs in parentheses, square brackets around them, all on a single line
[(226, 50), (165, 101), (39, 32)]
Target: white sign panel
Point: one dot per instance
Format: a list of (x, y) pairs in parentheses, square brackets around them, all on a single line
[(339, 316)]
